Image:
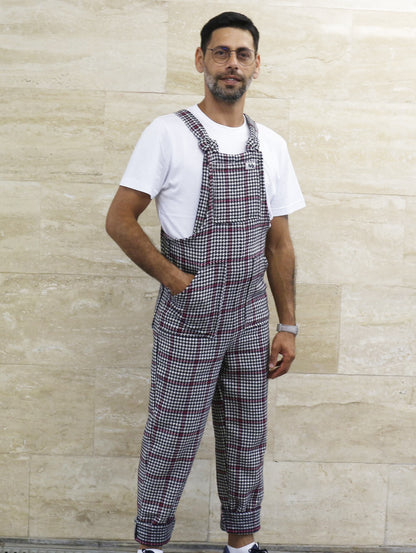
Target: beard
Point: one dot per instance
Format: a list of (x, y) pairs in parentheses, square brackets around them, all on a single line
[(229, 94)]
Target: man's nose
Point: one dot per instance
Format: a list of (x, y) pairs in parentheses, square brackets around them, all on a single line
[(233, 60)]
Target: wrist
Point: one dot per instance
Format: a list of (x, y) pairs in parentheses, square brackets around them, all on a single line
[(292, 329), (179, 281), (171, 277)]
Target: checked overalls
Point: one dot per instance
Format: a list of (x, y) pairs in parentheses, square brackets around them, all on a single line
[(211, 348)]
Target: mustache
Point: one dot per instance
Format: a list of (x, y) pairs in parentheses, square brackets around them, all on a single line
[(230, 74)]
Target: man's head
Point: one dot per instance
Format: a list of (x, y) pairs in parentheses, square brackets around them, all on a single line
[(229, 19), (228, 56)]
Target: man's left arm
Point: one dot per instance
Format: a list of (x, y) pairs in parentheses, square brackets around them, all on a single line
[(281, 276)]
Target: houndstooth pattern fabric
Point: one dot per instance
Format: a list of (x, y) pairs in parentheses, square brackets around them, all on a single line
[(211, 347)]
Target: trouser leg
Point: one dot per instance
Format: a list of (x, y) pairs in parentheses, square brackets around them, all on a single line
[(184, 374), (240, 417)]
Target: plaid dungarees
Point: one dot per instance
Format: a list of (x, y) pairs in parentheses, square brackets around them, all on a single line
[(211, 348)]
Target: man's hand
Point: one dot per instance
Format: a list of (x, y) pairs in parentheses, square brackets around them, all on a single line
[(180, 283), (123, 226), (282, 354)]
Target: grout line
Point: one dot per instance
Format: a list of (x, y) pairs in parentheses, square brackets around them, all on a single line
[(29, 485), (386, 518)]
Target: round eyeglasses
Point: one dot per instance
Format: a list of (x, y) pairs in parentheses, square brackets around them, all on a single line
[(221, 54)]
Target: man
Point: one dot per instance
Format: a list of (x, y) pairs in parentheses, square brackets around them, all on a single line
[(224, 187)]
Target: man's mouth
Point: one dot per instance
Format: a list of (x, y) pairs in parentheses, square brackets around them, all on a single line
[(230, 79)]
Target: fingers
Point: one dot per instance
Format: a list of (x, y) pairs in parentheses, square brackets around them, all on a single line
[(282, 355), (278, 370), (182, 282)]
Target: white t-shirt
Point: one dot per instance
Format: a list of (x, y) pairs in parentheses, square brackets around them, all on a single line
[(167, 164)]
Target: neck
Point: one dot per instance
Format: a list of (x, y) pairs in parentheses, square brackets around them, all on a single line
[(230, 115)]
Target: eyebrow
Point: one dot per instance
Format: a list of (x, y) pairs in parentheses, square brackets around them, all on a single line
[(238, 48)]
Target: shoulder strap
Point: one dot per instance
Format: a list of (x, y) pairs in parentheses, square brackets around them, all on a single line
[(253, 141), (205, 142), (197, 129)]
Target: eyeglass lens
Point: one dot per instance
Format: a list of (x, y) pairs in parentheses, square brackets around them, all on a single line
[(222, 54)]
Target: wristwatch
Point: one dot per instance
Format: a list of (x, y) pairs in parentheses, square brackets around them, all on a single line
[(293, 329)]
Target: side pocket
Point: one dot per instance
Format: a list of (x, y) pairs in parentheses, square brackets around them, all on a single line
[(196, 309), (258, 284)]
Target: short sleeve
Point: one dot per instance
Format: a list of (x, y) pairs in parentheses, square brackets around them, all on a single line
[(284, 195), (147, 168)]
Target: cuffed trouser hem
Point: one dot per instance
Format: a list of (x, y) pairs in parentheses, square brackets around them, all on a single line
[(153, 535), (241, 523)]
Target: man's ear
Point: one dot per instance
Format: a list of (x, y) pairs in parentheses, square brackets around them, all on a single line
[(257, 70), (199, 60)]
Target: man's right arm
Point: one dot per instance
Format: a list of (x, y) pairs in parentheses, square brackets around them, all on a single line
[(123, 227)]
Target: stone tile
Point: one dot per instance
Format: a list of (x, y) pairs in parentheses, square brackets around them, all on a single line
[(193, 510), (73, 236), (207, 447), (354, 147), (121, 401), (409, 276), (318, 503), (14, 493), (52, 135), (83, 497), (76, 320), (377, 331), (328, 418), (46, 410), (272, 112), (382, 5), (401, 509), (19, 321), (20, 227), (184, 26), (318, 312), (382, 64), (83, 45), (94, 321), (309, 56), (359, 239)]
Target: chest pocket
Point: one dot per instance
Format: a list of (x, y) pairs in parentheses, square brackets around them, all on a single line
[(236, 187)]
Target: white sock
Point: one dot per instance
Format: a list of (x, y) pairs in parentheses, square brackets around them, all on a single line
[(244, 549), (150, 549)]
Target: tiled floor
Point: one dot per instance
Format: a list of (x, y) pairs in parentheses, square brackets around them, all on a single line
[(67, 546)]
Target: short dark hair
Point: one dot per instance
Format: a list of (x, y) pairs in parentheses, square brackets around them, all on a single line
[(229, 19)]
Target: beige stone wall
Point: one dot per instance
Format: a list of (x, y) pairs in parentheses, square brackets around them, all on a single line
[(79, 82)]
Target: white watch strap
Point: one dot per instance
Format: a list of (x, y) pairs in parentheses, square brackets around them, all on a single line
[(293, 329)]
